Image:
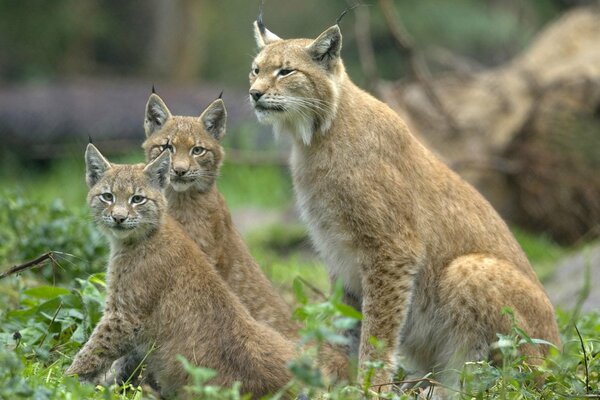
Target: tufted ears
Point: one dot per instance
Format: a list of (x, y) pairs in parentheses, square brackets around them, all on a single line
[(326, 49), (214, 119), (157, 114), (262, 35), (95, 165), (158, 170)]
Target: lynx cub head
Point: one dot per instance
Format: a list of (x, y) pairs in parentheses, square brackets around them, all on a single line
[(294, 83), (194, 143), (126, 201)]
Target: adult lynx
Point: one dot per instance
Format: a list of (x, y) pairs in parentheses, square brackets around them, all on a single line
[(419, 251), (164, 293)]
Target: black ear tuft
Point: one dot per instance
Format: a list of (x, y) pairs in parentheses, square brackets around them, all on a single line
[(220, 95), (343, 14), (153, 90), (90, 139), (259, 19), (262, 35)]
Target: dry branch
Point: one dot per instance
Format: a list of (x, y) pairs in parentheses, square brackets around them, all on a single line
[(37, 262), (405, 45)]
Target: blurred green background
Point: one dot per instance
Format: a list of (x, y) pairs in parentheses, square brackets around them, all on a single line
[(70, 69)]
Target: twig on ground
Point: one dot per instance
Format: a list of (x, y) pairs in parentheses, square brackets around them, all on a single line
[(50, 324), (585, 361), (366, 54), (430, 381), (315, 289), (37, 262)]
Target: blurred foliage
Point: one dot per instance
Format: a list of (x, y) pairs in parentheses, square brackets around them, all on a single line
[(50, 40), (29, 229)]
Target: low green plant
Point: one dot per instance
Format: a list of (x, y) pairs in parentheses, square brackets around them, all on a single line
[(29, 229)]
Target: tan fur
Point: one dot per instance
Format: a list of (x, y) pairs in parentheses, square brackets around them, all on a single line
[(204, 215), (201, 209), (420, 252), (163, 292)]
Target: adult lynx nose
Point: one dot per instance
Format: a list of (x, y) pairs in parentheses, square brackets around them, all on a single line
[(256, 94)]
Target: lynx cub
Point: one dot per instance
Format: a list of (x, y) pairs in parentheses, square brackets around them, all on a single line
[(162, 291), (419, 251), (194, 201)]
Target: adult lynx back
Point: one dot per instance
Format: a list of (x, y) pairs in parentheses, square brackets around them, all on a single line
[(420, 252)]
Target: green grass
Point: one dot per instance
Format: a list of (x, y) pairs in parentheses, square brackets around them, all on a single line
[(542, 252), (33, 365)]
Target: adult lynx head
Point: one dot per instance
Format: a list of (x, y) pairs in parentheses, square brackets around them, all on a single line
[(295, 82), (193, 142), (126, 200)]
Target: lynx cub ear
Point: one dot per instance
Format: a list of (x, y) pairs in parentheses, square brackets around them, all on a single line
[(214, 119), (262, 35), (326, 48), (95, 165), (158, 170), (157, 114)]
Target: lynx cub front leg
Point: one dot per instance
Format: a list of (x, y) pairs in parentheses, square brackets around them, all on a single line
[(112, 337), (387, 291)]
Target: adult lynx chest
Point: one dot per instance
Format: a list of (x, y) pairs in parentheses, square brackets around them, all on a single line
[(323, 214)]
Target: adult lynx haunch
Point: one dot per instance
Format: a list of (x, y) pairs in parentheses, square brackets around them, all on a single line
[(163, 293), (419, 251)]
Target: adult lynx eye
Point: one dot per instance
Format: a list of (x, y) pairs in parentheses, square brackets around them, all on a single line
[(284, 72), (198, 151), (137, 199), (107, 197)]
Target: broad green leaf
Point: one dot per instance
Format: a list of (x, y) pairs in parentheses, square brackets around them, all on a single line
[(46, 292)]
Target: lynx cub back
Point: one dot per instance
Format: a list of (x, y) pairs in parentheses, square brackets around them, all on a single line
[(419, 251), (163, 292)]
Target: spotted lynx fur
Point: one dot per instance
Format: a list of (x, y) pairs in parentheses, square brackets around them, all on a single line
[(419, 251), (164, 298)]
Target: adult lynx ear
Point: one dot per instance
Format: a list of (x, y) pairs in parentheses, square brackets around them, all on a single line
[(95, 165), (158, 170), (262, 35), (157, 114), (214, 119), (326, 48)]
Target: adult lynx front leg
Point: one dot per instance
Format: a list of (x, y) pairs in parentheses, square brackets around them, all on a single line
[(387, 293)]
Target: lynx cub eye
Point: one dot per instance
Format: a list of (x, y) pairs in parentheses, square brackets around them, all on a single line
[(284, 72), (137, 199), (255, 71), (107, 197), (198, 151)]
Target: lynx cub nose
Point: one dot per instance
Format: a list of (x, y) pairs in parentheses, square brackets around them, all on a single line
[(119, 219), (256, 94), (180, 171)]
